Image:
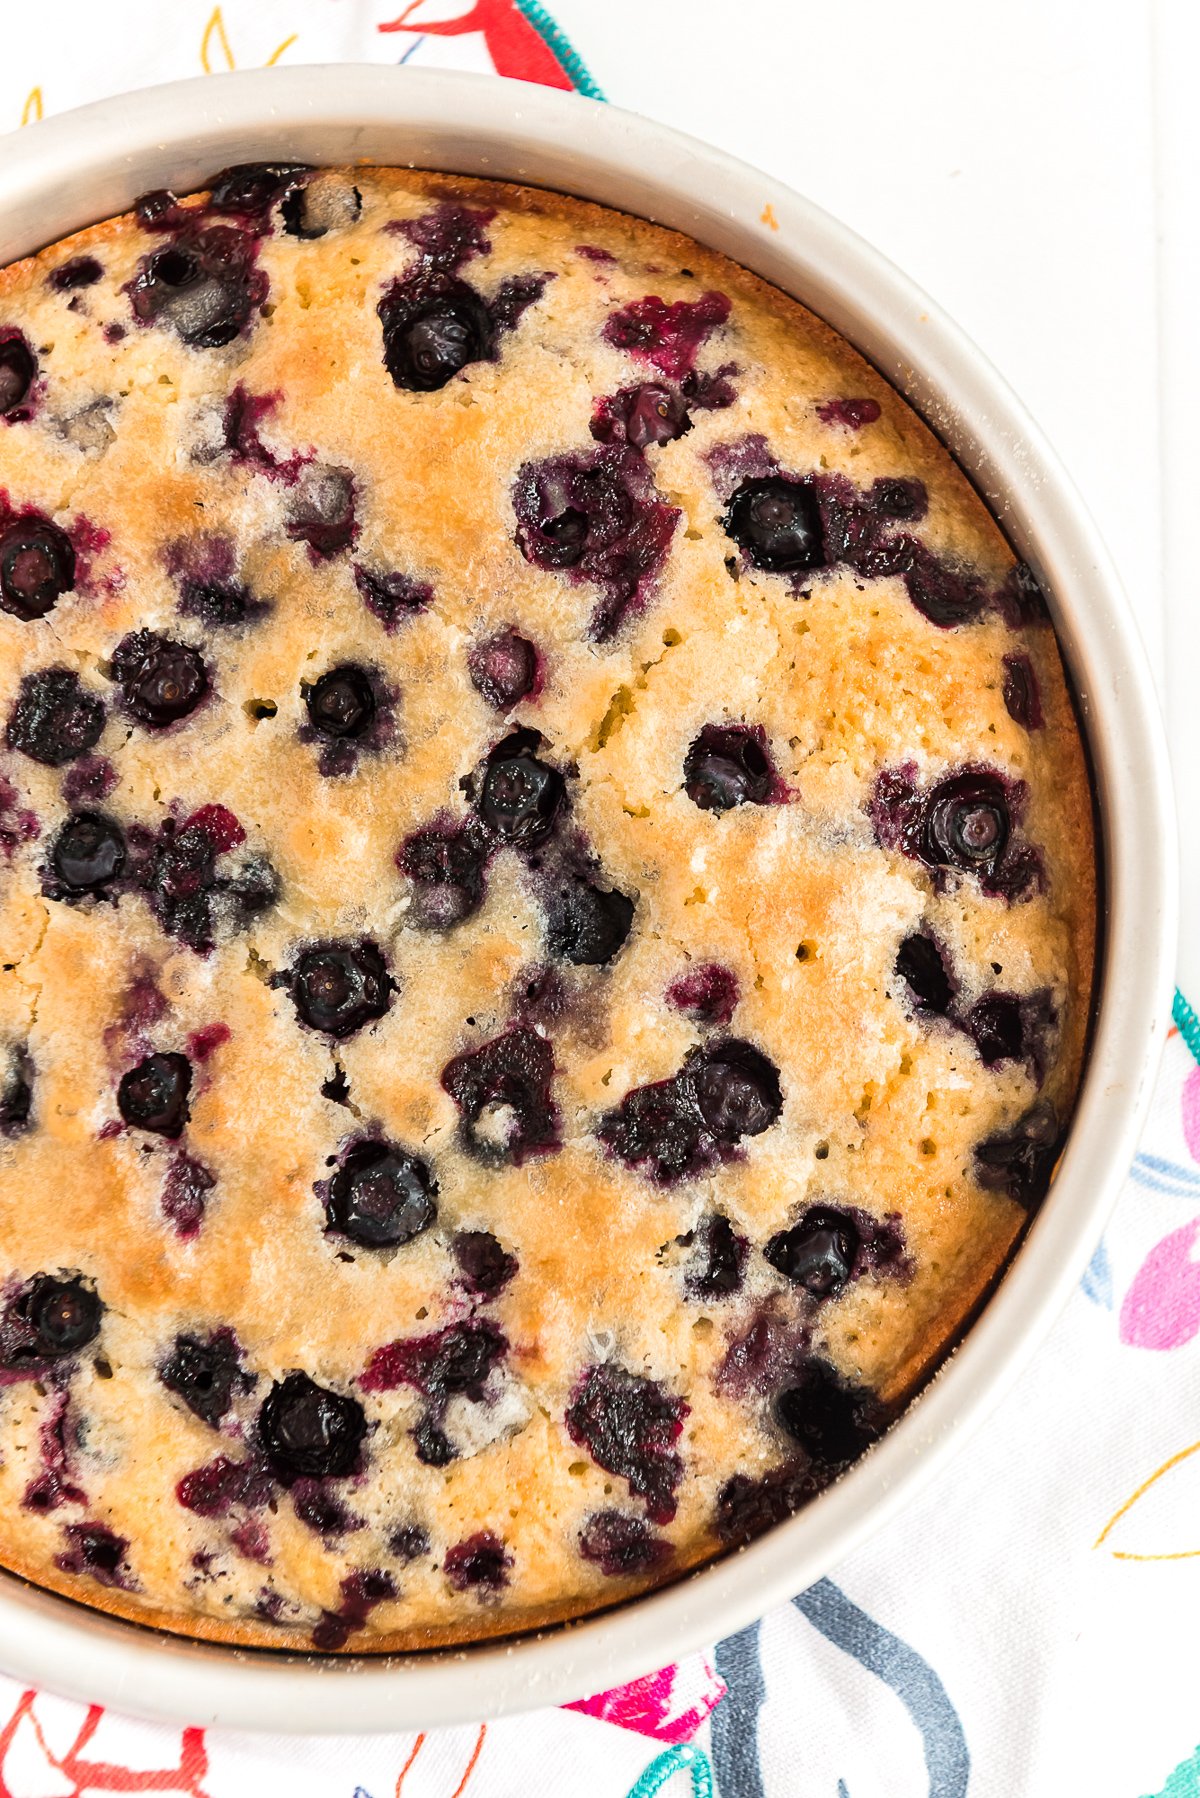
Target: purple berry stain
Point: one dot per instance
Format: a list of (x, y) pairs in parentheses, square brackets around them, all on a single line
[(595, 516), (668, 337)]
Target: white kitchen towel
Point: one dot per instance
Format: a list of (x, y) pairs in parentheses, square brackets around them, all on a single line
[(1025, 1627)]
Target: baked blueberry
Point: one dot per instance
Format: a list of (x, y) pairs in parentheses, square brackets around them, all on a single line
[(719, 1260), (341, 703), (380, 1196), (16, 1092), (727, 765), (392, 597), (47, 1320), (622, 1545), (481, 1563), (585, 924), (667, 335), (37, 566), (448, 1363), (894, 498), (629, 1425), (432, 1446), (77, 272), (776, 523), (735, 1088), (833, 1420), (967, 823), (996, 1024), (747, 1507), (818, 1253), (250, 189), (657, 1130), (88, 853), (339, 987), (520, 795), (307, 1431), (55, 718), (205, 1372), (503, 1092), (1022, 698), (327, 202), (96, 1551), (154, 1094), (18, 371), (434, 325), (1019, 1161), (642, 416), (203, 284), (446, 863), (708, 994), (320, 512), (920, 965), (504, 669), (485, 1266), (161, 680), (409, 1542)]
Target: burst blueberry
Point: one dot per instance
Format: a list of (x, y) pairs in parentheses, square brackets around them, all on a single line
[(55, 718), (818, 1253), (520, 795), (341, 703)]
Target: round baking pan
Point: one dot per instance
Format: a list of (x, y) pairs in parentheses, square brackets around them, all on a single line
[(89, 164)]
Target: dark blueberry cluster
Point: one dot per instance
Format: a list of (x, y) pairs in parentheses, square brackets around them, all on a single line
[(679, 1127), (190, 886), (966, 823), (629, 1425), (597, 516)]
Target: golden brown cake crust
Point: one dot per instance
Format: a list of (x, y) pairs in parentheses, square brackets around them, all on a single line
[(235, 469)]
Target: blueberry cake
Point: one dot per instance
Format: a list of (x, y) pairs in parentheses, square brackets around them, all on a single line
[(548, 908)]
